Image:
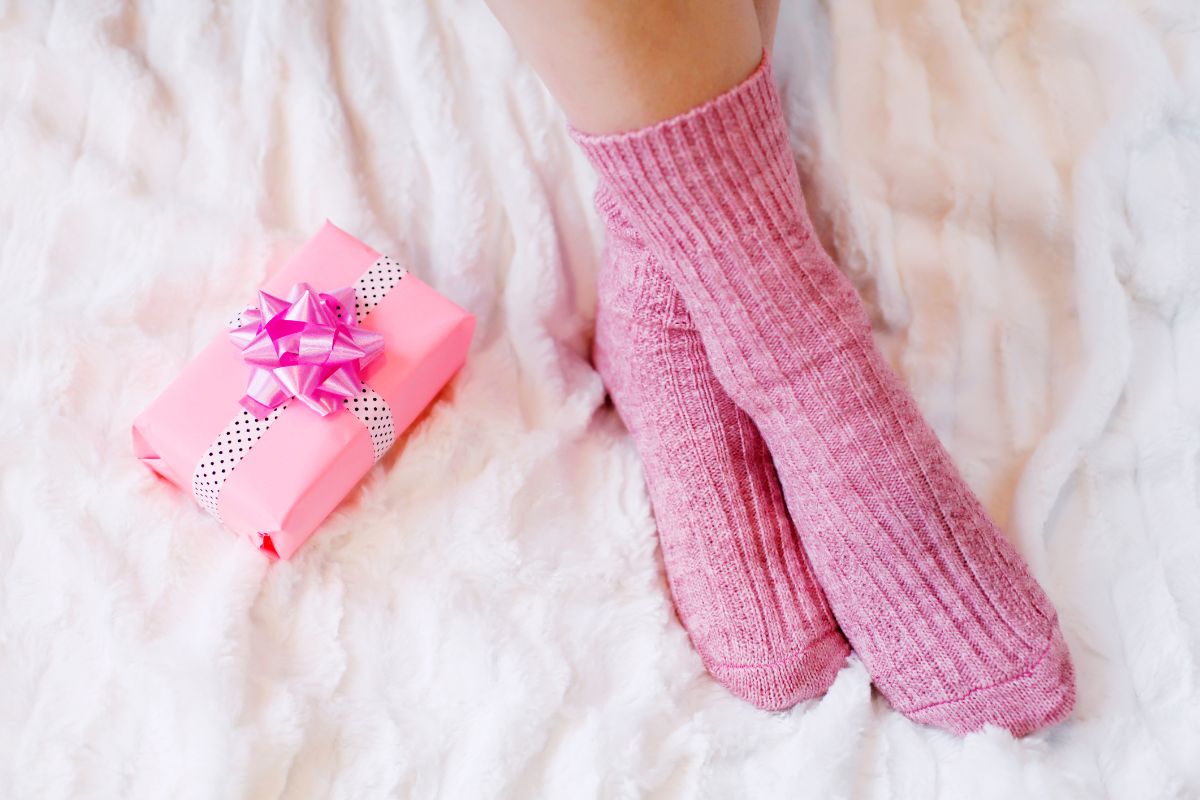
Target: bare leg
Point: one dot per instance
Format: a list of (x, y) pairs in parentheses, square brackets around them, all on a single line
[(768, 14), (617, 65)]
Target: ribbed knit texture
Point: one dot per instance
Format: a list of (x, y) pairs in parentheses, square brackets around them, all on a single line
[(941, 609), (742, 585)]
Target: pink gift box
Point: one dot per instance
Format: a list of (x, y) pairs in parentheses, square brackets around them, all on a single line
[(283, 484)]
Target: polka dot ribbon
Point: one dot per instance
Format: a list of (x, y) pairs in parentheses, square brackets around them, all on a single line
[(309, 349)]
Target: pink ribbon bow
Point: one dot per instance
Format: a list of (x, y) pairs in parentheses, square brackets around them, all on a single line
[(307, 347)]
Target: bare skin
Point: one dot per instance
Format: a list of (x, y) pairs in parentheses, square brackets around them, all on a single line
[(768, 14), (620, 65)]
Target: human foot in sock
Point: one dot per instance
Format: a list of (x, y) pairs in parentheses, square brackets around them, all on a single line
[(943, 612), (741, 582)]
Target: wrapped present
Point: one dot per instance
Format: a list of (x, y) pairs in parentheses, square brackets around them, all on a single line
[(278, 418)]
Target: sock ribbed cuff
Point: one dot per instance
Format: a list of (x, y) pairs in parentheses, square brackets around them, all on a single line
[(706, 165)]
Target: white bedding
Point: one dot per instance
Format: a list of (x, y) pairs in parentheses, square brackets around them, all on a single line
[(1014, 185)]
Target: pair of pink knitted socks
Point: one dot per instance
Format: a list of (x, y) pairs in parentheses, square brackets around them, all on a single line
[(736, 351)]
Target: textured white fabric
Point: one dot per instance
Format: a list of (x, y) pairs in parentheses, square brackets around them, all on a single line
[(1014, 184)]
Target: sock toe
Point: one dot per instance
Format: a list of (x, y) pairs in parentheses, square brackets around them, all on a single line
[(781, 684), (1040, 696)]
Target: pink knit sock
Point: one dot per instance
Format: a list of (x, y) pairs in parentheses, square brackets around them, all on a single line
[(944, 613), (741, 583)]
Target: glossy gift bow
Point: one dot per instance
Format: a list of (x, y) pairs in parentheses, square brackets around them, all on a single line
[(307, 347)]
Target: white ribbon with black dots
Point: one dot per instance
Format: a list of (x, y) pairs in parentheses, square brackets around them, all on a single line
[(232, 444)]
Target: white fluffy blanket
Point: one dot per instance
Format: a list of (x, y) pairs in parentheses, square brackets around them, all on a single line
[(1013, 184)]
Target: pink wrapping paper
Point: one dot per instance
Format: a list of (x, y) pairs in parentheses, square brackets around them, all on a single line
[(304, 464)]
